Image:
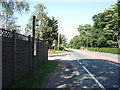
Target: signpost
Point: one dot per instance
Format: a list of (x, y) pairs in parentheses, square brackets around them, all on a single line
[(33, 39), (0, 59), (35, 23)]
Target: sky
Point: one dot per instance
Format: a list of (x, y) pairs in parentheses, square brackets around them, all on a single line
[(69, 14)]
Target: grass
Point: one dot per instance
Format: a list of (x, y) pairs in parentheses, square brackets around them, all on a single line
[(30, 81), (106, 50), (58, 52)]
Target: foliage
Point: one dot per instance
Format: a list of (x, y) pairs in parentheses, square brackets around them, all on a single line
[(63, 40), (103, 33), (61, 48), (7, 13), (105, 28), (107, 50), (59, 52), (82, 40), (30, 81), (48, 27)]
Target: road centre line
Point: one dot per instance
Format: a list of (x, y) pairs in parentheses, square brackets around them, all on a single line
[(99, 84)]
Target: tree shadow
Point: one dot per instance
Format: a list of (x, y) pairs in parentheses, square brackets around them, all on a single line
[(71, 74)]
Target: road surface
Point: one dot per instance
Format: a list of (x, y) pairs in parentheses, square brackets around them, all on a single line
[(85, 69)]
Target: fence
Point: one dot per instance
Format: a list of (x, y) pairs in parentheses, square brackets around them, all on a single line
[(17, 56)]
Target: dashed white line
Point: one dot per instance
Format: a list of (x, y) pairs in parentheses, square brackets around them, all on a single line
[(100, 85)]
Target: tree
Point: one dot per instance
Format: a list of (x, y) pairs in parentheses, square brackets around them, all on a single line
[(50, 31), (8, 10), (104, 32), (85, 35), (105, 28), (41, 16), (48, 27), (63, 40)]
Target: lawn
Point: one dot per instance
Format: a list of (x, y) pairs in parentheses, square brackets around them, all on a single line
[(36, 80)]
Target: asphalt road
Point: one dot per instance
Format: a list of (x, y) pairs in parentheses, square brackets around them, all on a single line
[(85, 69), (104, 73)]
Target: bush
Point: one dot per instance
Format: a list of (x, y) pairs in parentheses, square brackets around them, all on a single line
[(107, 50), (60, 48)]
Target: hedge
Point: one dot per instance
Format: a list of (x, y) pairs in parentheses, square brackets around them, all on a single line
[(106, 50)]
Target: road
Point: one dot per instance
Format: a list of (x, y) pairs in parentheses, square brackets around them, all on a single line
[(85, 69)]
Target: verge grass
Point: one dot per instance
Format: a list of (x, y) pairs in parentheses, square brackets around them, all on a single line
[(58, 52), (36, 80)]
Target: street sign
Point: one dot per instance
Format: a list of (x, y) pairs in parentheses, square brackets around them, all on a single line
[(53, 44), (34, 48), (36, 27)]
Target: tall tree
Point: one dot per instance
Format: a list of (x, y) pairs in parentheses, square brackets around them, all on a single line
[(8, 10), (105, 28), (47, 28)]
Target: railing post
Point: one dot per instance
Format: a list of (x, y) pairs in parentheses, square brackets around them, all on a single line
[(14, 55), (29, 52)]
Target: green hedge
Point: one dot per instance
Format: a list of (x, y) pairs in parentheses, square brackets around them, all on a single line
[(107, 50)]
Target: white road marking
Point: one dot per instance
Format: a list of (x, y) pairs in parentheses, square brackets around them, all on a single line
[(100, 85)]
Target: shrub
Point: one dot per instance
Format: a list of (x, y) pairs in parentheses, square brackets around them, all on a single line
[(107, 50)]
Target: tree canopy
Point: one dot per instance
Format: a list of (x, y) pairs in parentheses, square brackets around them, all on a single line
[(103, 33), (8, 10), (47, 28)]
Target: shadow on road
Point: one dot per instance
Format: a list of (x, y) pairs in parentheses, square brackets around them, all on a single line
[(70, 74)]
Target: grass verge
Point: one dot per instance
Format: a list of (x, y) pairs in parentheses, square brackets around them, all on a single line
[(30, 81), (58, 52), (106, 50)]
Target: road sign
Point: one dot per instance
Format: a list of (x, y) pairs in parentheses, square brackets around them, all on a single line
[(53, 44), (34, 48)]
